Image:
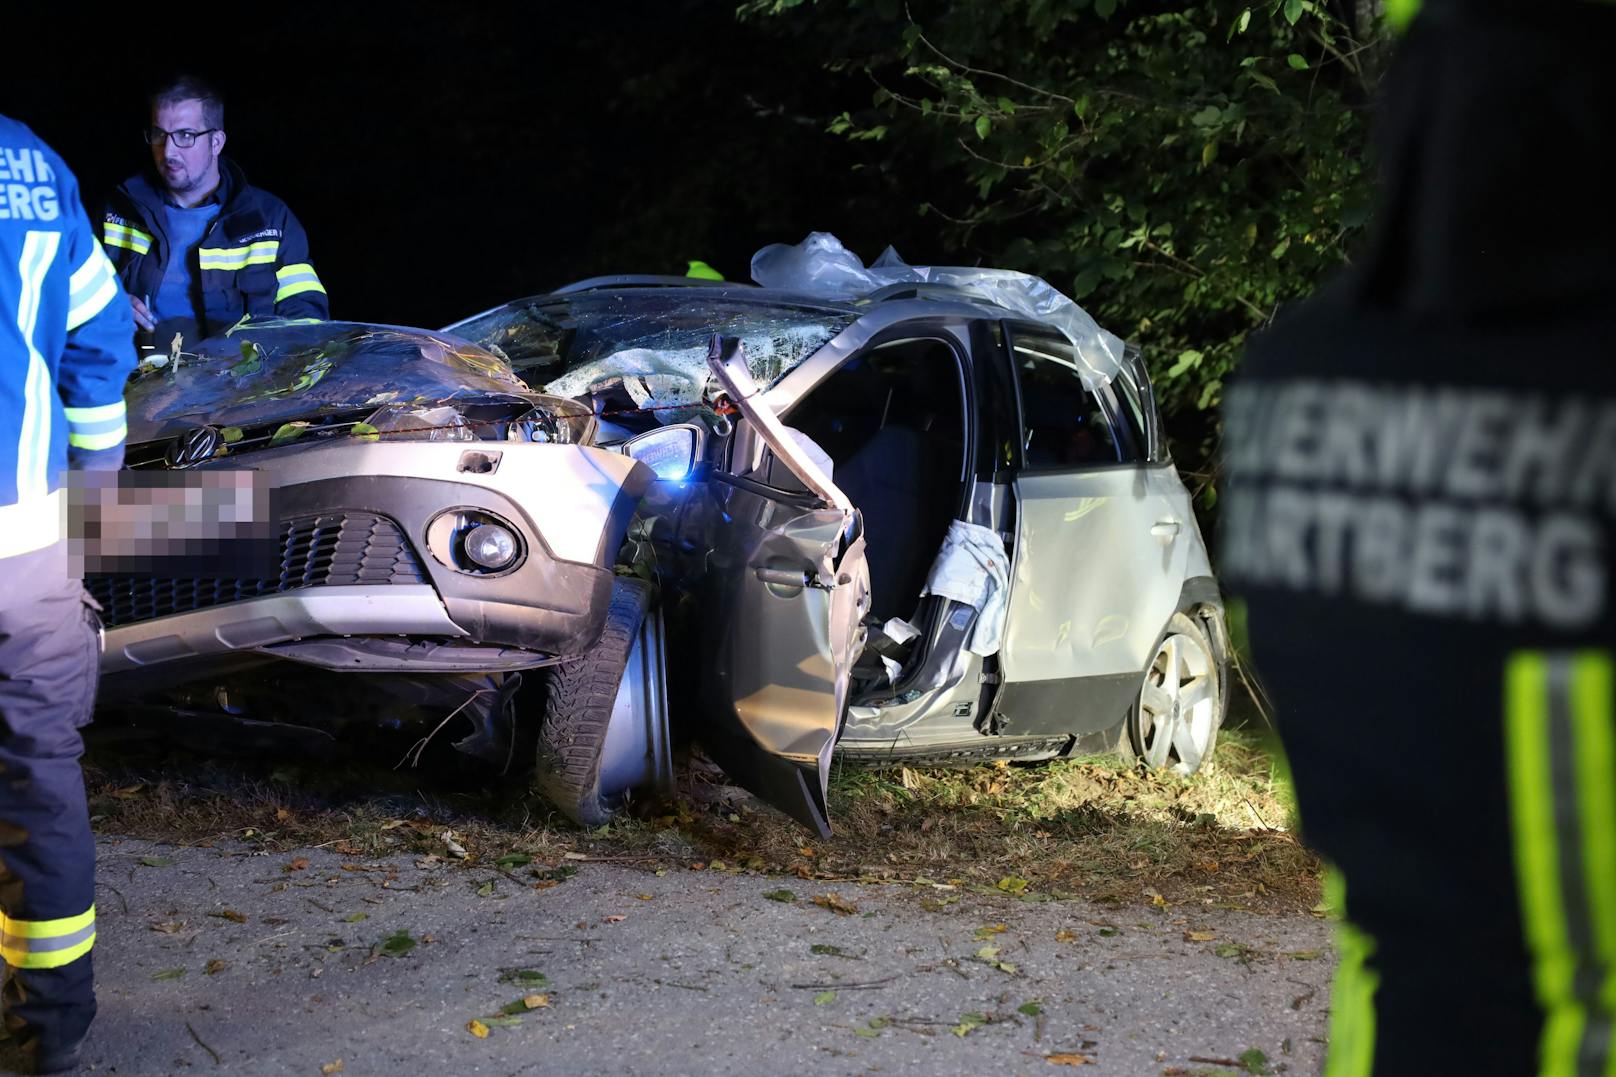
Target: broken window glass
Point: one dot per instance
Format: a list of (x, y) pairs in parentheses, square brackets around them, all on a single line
[(279, 371), (650, 342)]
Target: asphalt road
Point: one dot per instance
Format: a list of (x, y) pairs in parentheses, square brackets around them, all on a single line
[(687, 972)]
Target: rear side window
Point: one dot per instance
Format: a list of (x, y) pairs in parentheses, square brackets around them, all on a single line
[(1063, 424)]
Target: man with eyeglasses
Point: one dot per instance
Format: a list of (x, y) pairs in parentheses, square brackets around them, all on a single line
[(197, 248)]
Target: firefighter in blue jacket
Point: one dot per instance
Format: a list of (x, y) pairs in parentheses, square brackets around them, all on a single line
[(66, 349), (195, 245)]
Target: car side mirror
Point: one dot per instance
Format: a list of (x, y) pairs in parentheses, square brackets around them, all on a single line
[(671, 452)]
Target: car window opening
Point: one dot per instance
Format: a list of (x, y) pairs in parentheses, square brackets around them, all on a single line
[(892, 422)]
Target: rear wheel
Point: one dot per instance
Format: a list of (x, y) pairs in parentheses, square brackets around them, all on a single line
[(1174, 723), (599, 738)]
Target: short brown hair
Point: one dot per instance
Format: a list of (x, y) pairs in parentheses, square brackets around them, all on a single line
[(191, 88)]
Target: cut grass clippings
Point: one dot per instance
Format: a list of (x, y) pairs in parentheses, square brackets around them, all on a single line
[(1093, 828)]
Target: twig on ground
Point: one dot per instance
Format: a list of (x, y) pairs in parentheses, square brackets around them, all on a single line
[(218, 1060), (865, 985), (121, 899)]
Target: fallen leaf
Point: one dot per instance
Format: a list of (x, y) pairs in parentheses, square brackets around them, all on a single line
[(615, 919), (1065, 936), (216, 965), (968, 1023), (1255, 1062), (523, 977), (782, 895), (836, 904), (828, 950), (393, 824), (395, 945), (1200, 936), (168, 974), (486, 889), (129, 791), (331, 1067), (1069, 1058), (987, 931), (477, 1028), (514, 860), (503, 1022), (230, 914), (1013, 884), (355, 917), (169, 927), (643, 897), (824, 998), (456, 850), (1156, 899), (281, 815), (1031, 1009), (988, 953), (299, 864), (1302, 955), (534, 1002)]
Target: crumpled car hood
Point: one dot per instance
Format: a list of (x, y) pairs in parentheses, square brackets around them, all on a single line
[(283, 370)]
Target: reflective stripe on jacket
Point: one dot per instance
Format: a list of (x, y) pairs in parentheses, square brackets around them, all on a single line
[(66, 342)]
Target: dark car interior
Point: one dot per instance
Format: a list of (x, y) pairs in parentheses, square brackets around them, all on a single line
[(892, 422)]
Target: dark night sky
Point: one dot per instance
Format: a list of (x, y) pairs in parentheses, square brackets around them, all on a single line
[(445, 161)]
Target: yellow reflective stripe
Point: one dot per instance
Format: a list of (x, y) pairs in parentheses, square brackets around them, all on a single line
[(128, 238), (48, 959), (46, 944), (290, 290), (99, 413), (256, 254), (1555, 708), (1592, 712), (46, 929), (96, 442), (297, 278), (1352, 995)]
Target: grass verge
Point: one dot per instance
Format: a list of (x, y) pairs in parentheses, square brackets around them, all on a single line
[(1091, 828)]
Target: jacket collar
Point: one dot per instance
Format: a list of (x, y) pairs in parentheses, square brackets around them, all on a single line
[(146, 191)]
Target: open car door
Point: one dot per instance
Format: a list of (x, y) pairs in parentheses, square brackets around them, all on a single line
[(788, 589)]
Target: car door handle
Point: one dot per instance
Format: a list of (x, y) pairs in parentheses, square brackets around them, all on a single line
[(1165, 530), (793, 577)]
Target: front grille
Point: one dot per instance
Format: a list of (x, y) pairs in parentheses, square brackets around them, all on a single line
[(329, 550)]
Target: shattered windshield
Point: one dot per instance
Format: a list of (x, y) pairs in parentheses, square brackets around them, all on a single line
[(283, 370), (651, 342)]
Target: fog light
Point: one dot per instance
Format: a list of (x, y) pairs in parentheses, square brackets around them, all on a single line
[(491, 546)]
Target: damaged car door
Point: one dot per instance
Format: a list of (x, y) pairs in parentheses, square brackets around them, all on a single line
[(787, 589)]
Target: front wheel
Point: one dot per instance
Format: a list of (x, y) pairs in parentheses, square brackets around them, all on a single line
[(604, 730), (1174, 723)]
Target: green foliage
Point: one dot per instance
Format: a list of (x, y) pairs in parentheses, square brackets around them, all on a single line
[(1181, 169)]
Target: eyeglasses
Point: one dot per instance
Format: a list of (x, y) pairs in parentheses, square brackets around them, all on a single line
[(183, 138)]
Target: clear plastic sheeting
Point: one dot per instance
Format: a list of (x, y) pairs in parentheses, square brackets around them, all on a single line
[(973, 568), (821, 266), (651, 341), (278, 371)]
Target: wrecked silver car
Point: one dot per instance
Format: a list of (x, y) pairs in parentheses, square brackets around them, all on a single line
[(894, 516)]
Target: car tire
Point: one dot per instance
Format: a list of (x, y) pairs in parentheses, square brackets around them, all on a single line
[(1174, 722), (578, 711)]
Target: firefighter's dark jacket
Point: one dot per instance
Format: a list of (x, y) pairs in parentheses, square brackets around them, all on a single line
[(254, 259)]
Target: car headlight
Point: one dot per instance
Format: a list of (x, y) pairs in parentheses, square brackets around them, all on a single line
[(490, 545)]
